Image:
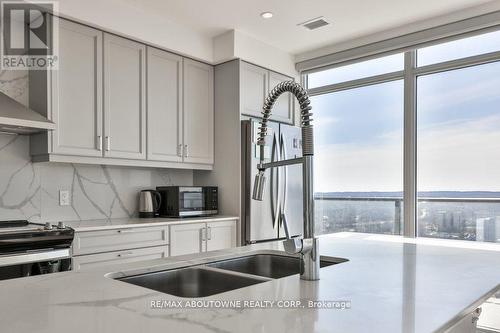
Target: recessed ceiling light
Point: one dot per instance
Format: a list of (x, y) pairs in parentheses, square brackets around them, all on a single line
[(266, 15)]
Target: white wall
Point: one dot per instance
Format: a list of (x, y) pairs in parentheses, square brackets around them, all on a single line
[(131, 21), (237, 45)]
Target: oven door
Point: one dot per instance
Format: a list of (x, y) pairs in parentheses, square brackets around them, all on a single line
[(34, 263)]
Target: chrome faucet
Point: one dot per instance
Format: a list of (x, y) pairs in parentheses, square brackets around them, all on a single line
[(308, 245)]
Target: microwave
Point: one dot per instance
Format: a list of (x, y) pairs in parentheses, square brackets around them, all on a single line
[(188, 201)]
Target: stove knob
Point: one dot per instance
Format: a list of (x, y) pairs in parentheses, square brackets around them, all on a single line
[(61, 225), (48, 226)]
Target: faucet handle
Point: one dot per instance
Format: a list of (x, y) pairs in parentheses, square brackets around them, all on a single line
[(285, 226), (293, 245)]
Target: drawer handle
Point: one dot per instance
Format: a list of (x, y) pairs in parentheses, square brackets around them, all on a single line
[(126, 231), (124, 254)]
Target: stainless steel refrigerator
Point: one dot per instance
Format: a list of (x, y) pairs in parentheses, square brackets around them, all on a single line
[(263, 220)]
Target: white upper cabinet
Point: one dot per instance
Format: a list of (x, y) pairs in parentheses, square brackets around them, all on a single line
[(254, 85), (198, 112), (76, 91), (164, 106), (119, 102), (283, 109), (124, 98)]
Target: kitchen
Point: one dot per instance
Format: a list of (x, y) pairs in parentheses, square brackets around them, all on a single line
[(159, 164)]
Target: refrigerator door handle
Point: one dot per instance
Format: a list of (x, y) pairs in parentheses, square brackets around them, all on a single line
[(284, 156), (275, 197)]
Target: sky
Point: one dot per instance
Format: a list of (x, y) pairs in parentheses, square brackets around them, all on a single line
[(359, 132)]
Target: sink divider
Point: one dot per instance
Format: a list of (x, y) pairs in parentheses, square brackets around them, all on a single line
[(228, 272)]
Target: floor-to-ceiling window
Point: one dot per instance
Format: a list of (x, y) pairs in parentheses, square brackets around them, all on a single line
[(359, 147), (458, 141), (454, 103)]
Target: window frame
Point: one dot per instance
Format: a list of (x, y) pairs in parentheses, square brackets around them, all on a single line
[(409, 75)]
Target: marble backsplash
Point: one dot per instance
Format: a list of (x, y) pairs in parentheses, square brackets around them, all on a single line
[(15, 85), (31, 190)]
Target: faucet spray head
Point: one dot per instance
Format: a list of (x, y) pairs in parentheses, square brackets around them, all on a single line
[(259, 186)]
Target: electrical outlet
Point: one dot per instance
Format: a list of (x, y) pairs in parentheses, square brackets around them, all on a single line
[(63, 198)]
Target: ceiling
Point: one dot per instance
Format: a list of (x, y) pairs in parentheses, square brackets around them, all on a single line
[(350, 18)]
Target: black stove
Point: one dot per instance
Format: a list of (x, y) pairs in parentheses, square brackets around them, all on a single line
[(28, 248), (19, 236)]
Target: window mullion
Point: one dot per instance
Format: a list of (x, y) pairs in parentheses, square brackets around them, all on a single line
[(358, 83), (410, 147)]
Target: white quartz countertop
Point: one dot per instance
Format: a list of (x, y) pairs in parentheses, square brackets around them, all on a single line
[(104, 224), (393, 285)]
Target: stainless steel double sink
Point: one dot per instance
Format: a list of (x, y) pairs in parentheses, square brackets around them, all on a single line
[(221, 276)]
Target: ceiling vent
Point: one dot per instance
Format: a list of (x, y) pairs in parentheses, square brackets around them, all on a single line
[(315, 23)]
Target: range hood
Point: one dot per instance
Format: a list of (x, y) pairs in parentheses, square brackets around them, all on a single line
[(19, 119)]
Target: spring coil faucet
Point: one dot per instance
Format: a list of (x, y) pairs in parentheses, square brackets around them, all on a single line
[(308, 245)]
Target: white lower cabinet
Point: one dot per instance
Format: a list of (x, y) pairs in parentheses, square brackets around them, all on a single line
[(221, 235), (119, 257), (187, 238), (202, 237), (99, 248), (91, 242)]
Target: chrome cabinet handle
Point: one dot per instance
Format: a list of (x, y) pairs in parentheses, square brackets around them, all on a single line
[(186, 151), (108, 143), (209, 236), (99, 142)]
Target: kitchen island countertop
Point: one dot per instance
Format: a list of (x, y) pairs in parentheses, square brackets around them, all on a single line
[(392, 285)]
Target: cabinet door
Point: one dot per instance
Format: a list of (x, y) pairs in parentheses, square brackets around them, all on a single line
[(198, 112), (283, 109), (254, 83), (164, 106), (221, 235), (119, 257), (124, 98), (77, 91), (187, 238)]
